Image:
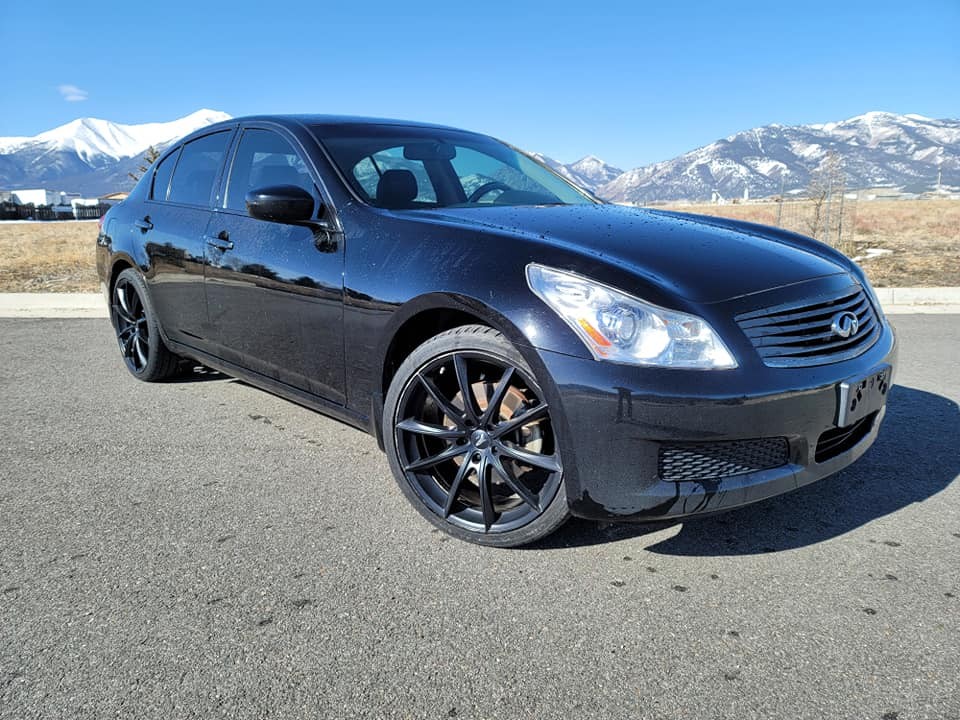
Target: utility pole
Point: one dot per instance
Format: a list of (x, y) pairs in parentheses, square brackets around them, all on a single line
[(780, 202), (840, 221), (826, 217)]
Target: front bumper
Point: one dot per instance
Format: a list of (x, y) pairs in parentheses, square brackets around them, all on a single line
[(615, 420)]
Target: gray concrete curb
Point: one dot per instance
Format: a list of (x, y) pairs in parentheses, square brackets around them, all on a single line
[(53, 305), (92, 305), (918, 296)]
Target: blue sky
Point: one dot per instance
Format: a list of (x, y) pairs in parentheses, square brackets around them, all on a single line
[(632, 82)]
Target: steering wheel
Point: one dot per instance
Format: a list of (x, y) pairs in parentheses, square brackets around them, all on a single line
[(487, 188)]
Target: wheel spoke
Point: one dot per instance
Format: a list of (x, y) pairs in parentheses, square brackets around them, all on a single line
[(451, 452), (141, 353), (455, 489), (438, 431), (493, 404), (123, 314), (121, 293), (537, 460), (126, 333), (463, 382), (131, 299), (446, 407), (128, 345), (486, 501), (534, 413), (136, 304), (516, 485)]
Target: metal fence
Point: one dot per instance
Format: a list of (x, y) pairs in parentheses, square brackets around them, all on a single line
[(13, 211), (830, 219)]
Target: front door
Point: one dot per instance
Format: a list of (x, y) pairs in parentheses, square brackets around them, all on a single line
[(274, 291)]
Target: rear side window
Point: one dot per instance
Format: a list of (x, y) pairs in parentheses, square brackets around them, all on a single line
[(196, 172), (161, 178), (263, 159)]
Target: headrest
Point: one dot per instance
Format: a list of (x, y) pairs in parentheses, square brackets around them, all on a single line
[(396, 189)]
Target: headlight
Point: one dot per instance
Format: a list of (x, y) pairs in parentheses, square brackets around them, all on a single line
[(621, 328)]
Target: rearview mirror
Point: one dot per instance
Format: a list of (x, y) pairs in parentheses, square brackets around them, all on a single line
[(425, 151), (280, 203)]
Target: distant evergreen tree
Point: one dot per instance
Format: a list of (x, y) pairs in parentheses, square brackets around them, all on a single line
[(149, 158)]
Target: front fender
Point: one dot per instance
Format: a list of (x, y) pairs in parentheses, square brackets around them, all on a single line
[(419, 308), (429, 302)]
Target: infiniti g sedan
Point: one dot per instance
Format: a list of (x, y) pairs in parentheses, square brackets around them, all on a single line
[(521, 351)]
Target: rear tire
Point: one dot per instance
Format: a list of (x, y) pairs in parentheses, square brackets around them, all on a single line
[(470, 440), (137, 330)]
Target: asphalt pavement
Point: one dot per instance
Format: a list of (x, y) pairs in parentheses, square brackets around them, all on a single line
[(202, 549)]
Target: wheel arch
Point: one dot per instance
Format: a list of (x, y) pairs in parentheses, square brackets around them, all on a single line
[(119, 263), (421, 318)]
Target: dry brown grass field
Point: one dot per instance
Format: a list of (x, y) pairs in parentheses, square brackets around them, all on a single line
[(923, 235), (53, 256)]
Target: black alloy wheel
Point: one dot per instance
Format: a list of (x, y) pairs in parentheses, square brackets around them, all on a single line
[(474, 441), (133, 331), (138, 334)]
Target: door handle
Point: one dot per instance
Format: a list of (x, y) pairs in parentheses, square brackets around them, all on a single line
[(222, 241), (144, 224)]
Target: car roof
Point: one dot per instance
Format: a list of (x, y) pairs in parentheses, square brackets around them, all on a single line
[(331, 121)]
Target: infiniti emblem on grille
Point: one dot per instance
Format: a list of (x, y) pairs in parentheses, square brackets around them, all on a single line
[(845, 324)]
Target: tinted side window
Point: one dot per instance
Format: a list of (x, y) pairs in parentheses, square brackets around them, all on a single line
[(197, 170), (367, 175), (161, 178), (264, 158)]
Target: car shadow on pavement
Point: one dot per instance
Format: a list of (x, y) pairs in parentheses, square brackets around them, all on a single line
[(915, 457), (199, 373)]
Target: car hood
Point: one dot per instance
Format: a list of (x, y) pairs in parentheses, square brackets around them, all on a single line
[(703, 259)]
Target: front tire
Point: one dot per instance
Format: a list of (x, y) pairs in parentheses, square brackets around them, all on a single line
[(470, 440), (138, 333)]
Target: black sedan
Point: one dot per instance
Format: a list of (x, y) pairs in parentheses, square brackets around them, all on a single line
[(520, 350)]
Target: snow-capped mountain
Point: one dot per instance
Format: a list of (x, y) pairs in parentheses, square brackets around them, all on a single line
[(93, 157), (876, 148), (589, 173), (89, 155)]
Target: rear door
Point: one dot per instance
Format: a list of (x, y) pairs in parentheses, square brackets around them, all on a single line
[(174, 226), (275, 291)]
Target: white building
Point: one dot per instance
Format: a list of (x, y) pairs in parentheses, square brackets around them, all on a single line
[(38, 197)]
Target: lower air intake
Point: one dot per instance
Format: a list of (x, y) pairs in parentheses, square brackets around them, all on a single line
[(713, 460), (838, 440)]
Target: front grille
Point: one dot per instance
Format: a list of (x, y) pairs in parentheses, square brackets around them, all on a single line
[(712, 460), (800, 334), (837, 441)]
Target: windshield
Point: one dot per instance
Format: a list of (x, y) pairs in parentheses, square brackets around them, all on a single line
[(409, 168)]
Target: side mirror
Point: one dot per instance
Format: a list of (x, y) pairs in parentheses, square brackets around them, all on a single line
[(280, 203)]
